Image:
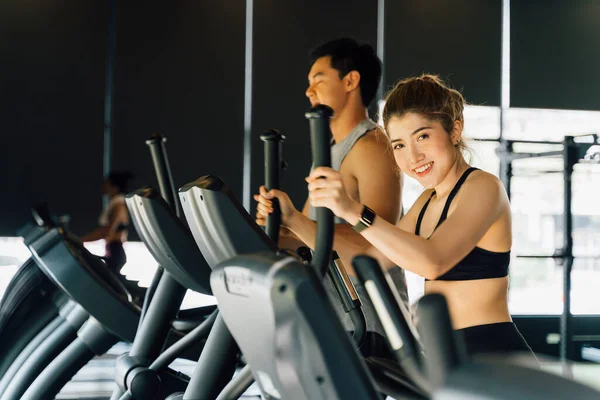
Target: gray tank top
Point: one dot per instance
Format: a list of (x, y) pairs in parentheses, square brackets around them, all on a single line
[(339, 151)]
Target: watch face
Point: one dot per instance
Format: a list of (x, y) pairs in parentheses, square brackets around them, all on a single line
[(367, 216), (366, 219)]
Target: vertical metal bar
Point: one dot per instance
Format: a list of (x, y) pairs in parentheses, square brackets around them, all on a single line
[(108, 91), (381, 47), (246, 190), (506, 149), (505, 163), (569, 160), (505, 67)]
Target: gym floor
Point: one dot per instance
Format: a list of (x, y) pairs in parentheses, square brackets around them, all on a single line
[(96, 380)]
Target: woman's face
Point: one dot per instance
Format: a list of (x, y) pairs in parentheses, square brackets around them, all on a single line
[(422, 148)]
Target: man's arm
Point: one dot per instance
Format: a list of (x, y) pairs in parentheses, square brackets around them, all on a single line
[(372, 164), (289, 240), (306, 207)]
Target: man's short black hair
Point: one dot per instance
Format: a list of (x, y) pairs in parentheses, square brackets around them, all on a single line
[(348, 55)]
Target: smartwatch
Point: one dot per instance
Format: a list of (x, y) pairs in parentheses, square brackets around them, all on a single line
[(367, 216)]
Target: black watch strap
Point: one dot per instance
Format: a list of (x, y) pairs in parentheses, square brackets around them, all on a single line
[(367, 216)]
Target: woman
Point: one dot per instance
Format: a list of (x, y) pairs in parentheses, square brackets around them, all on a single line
[(113, 224), (457, 235)]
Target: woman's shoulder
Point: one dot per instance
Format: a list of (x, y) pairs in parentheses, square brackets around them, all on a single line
[(483, 187), (481, 178)]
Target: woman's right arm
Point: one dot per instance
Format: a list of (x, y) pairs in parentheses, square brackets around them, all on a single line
[(407, 223)]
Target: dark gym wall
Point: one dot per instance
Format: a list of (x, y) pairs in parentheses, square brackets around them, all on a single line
[(51, 107), (458, 39), (284, 33), (554, 54), (180, 71)]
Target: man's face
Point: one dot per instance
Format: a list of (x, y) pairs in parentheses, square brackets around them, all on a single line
[(325, 86)]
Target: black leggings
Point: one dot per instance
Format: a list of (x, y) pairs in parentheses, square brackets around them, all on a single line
[(499, 338), (115, 256), (115, 259)]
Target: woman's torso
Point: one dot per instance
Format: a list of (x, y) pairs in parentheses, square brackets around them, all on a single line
[(116, 212), (477, 301)]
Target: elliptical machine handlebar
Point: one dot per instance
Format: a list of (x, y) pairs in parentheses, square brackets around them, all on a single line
[(444, 352), (394, 317), (158, 151), (320, 136), (325, 260), (273, 165)]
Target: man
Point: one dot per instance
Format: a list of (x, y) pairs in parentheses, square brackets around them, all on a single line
[(345, 76)]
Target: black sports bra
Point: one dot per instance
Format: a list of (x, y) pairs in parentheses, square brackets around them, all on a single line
[(479, 263), (122, 227)]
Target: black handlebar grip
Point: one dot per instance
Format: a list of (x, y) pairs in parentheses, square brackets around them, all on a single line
[(391, 312), (273, 165), (444, 351), (320, 136)]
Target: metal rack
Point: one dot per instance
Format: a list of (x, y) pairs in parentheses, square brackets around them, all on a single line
[(573, 150)]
